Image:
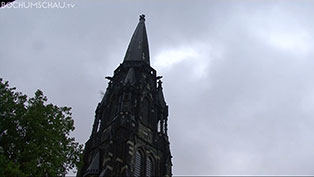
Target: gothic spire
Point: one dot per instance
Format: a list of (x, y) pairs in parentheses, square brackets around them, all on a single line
[(138, 47), (160, 95)]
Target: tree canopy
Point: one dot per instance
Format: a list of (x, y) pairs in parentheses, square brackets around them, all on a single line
[(35, 136)]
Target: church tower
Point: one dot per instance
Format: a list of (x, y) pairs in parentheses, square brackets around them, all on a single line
[(129, 135)]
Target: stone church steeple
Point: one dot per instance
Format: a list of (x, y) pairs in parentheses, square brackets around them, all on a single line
[(129, 135)]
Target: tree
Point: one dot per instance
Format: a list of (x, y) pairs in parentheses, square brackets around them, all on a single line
[(34, 136)]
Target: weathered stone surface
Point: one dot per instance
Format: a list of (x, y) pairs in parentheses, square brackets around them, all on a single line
[(129, 136)]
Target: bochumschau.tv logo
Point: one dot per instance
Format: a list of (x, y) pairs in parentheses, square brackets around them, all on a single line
[(38, 5)]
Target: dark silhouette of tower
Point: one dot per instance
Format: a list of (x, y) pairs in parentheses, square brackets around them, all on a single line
[(129, 136)]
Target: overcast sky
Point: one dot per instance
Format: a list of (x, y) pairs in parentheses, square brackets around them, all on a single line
[(238, 75)]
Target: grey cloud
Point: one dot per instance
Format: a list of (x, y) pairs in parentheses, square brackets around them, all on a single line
[(251, 111)]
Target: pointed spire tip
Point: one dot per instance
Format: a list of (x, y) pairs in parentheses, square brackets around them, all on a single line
[(138, 46)]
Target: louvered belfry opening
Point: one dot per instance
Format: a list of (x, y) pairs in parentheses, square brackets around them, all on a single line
[(138, 164), (149, 167)]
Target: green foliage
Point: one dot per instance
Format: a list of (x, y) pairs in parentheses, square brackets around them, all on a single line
[(34, 136)]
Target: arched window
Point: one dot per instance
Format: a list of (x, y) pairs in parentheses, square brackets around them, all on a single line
[(138, 163), (149, 167), (158, 126), (146, 111), (114, 107)]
